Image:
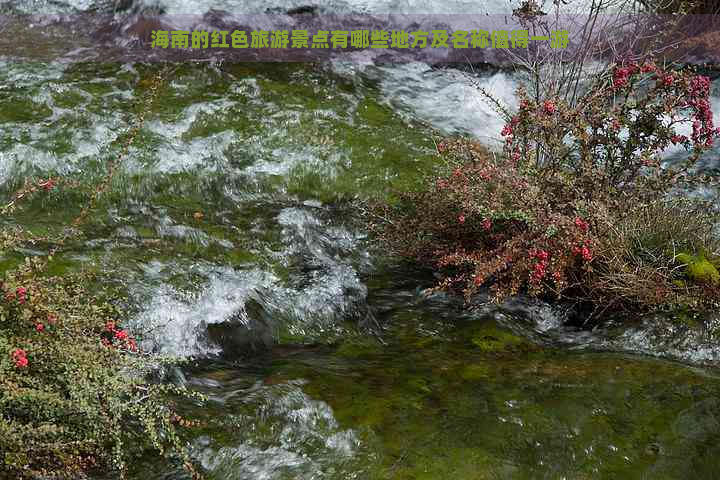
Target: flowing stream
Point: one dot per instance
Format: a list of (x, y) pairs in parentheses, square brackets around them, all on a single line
[(234, 231)]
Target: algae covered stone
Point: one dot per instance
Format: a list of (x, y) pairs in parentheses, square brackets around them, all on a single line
[(491, 338)]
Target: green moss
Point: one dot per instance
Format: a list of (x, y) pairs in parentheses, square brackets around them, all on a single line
[(475, 372), (358, 348), (238, 257), (62, 265), (704, 272), (374, 114), (699, 269), (10, 260), (68, 99), (467, 463), (306, 183), (418, 385), (490, 338), (23, 110)]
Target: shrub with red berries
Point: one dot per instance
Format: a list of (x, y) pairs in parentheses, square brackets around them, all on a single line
[(614, 138), (65, 390), (557, 213), (486, 222), (19, 358)]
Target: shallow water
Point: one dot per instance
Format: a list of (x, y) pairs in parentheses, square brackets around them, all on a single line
[(233, 232), (445, 395)]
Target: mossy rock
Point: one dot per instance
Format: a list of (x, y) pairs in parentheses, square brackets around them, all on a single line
[(359, 348), (699, 269), (490, 338)]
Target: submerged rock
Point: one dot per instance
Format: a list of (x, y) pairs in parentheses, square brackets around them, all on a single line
[(489, 338)]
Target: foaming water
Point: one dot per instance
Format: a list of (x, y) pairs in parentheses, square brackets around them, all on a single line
[(51, 133), (299, 437), (175, 322), (450, 100), (689, 339), (331, 291), (233, 311)]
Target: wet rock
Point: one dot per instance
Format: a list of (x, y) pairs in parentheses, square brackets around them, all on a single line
[(695, 339), (128, 29), (489, 338), (246, 332), (299, 10), (304, 10)]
